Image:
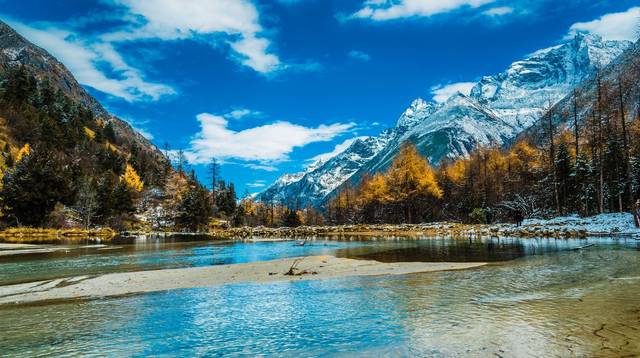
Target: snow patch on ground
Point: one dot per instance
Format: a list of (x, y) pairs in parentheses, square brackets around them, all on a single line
[(603, 223)]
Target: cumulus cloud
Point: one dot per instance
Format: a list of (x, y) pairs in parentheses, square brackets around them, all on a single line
[(270, 142), (86, 60), (614, 26), (381, 10), (441, 93), (359, 55), (237, 20), (339, 148)]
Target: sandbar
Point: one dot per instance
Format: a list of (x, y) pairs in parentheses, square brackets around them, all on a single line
[(118, 284)]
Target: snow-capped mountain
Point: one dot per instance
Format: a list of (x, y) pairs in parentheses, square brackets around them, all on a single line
[(319, 179), (438, 136), (498, 108), (624, 69), (520, 94), (322, 177)]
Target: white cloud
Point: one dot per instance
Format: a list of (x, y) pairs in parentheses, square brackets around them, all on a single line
[(614, 26), (237, 20), (240, 113), (85, 61), (381, 10), (498, 11), (257, 184), (359, 55), (339, 148), (441, 93), (266, 168), (266, 143)]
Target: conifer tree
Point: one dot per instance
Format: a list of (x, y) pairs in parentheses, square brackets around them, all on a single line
[(195, 209), (564, 168), (31, 190)]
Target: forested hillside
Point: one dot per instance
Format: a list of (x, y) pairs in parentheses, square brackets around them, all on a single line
[(56, 153), (67, 162)]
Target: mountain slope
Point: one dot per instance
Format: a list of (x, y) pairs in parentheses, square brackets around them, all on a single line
[(624, 70), (498, 108), (16, 51), (64, 160)]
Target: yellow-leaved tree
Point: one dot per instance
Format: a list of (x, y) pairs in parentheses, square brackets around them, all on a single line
[(374, 190), (411, 180), (132, 179), (25, 150)]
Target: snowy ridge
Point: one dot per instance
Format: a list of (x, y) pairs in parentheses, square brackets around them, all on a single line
[(520, 94), (498, 108)]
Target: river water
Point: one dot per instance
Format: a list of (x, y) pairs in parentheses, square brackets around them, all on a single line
[(537, 297)]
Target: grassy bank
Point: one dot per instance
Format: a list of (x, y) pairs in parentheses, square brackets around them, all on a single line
[(42, 235)]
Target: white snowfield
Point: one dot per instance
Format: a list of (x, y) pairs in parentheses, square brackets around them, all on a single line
[(615, 223)]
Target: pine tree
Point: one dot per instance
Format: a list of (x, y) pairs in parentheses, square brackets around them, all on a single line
[(564, 168), (195, 210), (583, 175), (31, 190), (292, 218)]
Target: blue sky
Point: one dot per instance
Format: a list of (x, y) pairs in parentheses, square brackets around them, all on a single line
[(265, 86)]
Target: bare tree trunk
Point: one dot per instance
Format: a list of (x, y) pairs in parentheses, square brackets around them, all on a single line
[(599, 118), (552, 154), (625, 145), (575, 123)]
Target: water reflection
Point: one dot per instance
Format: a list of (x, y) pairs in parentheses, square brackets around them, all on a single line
[(474, 250)]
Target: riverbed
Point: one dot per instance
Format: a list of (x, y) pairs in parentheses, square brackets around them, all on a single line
[(537, 297)]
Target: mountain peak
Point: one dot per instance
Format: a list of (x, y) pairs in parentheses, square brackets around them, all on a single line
[(457, 97), (416, 113)]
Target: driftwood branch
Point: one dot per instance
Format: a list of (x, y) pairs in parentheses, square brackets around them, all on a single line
[(293, 268)]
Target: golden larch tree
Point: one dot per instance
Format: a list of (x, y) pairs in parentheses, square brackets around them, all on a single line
[(132, 179)]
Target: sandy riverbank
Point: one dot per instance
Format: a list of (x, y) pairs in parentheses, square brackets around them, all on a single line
[(117, 284)]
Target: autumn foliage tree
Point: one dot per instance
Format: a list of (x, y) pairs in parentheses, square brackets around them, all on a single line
[(412, 184), (407, 192)]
